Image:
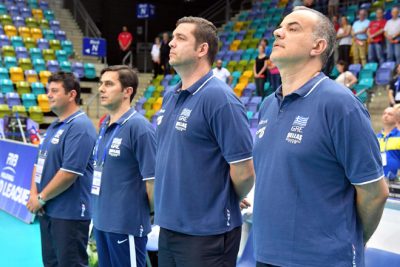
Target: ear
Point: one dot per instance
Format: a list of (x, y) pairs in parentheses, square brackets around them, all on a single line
[(202, 50), (73, 95), (128, 92), (320, 45)]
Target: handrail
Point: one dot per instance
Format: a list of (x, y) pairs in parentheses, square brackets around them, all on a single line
[(90, 101), (362, 91), (90, 28), (216, 9)]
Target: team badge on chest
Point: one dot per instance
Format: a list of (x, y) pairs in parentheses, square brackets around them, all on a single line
[(295, 135)]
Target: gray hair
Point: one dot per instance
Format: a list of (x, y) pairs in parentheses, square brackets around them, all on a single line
[(322, 30)]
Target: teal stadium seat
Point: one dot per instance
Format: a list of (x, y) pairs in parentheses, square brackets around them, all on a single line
[(6, 86), (38, 88), (90, 71)]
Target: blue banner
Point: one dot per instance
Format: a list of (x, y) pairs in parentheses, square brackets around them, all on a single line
[(16, 166), (145, 11), (94, 47)]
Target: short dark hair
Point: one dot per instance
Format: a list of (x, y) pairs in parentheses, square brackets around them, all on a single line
[(344, 64), (324, 30), (69, 82), (126, 76), (205, 32)]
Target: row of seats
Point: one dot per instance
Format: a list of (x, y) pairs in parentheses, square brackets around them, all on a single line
[(35, 112), (22, 87), (34, 33)]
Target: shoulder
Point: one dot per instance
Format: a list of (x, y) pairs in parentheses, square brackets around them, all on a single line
[(139, 125), (83, 124)]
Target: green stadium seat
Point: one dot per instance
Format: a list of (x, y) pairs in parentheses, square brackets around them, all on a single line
[(48, 54), (31, 22), (55, 44), (36, 114), (25, 63), (29, 42), (4, 110), (8, 51)]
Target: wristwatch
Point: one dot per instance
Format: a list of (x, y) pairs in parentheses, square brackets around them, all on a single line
[(41, 200)]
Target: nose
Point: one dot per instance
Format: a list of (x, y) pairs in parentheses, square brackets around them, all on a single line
[(278, 33), (172, 43)]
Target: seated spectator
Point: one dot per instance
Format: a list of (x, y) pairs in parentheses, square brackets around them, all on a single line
[(394, 88), (359, 33), (392, 35), (375, 38), (344, 39), (345, 77), (222, 73)]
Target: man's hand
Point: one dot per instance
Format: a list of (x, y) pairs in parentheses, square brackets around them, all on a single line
[(244, 204), (33, 204)]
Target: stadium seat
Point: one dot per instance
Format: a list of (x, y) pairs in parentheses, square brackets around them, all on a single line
[(90, 71), (253, 104), (43, 5), (17, 41), (23, 87), (35, 53), (4, 40), (16, 74), (53, 66), (39, 65), (383, 76), (31, 76), (33, 3), (31, 23), (28, 100), (36, 34), (18, 21), (49, 15), (10, 62), (25, 64), (388, 65), (373, 66), (21, 52), (55, 44), (8, 51), (3, 9), (44, 76), (13, 99), (1, 98), (355, 69), (67, 47), (48, 34), (65, 66), (55, 25), (13, 10), (78, 69), (36, 114), (10, 30), (38, 88), (6, 20), (29, 42), (61, 55), (25, 12), (157, 104), (48, 54), (43, 102), (4, 73), (6, 86), (365, 73), (61, 35), (37, 13), (44, 24), (4, 110)]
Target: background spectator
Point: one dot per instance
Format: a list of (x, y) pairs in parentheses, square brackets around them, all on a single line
[(359, 32), (394, 88), (222, 73), (155, 56), (125, 40), (344, 38), (375, 38), (333, 8), (392, 35), (345, 77), (260, 70), (164, 53)]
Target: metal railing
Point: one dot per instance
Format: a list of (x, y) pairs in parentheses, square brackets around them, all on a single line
[(216, 10), (90, 101), (83, 18)]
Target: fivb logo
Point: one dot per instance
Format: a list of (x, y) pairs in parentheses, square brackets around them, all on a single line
[(8, 172), (181, 124), (295, 135)]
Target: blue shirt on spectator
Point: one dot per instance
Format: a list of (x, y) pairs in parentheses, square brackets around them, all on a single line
[(122, 205), (68, 146), (201, 130), (390, 146), (311, 147), (359, 26)]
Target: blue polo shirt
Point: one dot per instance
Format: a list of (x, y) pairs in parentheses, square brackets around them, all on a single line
[(128, 149), (390, 145), (69, 145), (200, 131), (311, 148), (361, 25)]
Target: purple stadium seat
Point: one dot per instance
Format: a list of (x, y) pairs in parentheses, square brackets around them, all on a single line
[(355, 68), (53, 66), (254, 121), (43, 5), (78, 69), (1, 98), (248, 91), (55, 25), (13, 99), (245, 99), (388, 65), (21, 52), (18, 21), (60, 35), (20, 4), (25, 12), (13, 10), (4, 40), (253, 104), (383, 76), (42, 44), (237, 55)]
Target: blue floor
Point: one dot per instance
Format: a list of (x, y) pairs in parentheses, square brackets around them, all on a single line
[(19, 242)]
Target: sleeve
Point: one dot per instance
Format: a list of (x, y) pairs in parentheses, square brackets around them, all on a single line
[(145, 152), (78, 148), (356, 146), (230, 127)]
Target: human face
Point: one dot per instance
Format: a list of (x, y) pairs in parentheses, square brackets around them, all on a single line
[(59, 100), (183, 46), (343, 21), (219, 64), (294, 38), (340, 68), (165, 37), (362, 14), (111, 92), (389, 117), (395, 12), (379, 14)]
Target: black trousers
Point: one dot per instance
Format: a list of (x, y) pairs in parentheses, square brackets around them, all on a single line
[(181, 250), (260, 264), (64, 242), (344, 53)]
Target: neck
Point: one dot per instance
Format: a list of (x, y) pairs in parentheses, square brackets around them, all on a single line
[(68, 112), (191, 74), (388, 128), (117, 113), (293, 77)]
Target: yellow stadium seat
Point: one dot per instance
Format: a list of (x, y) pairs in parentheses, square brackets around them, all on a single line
[(244, 79), (37, 13), (10, 30), (239, 89), (36, 114), (157, 104), (238, 26), (43, 102), (36, 33), (16, 74), (44, 77), (24, 32), (235, 45), (31, 77), (20, 109), (248, 73)]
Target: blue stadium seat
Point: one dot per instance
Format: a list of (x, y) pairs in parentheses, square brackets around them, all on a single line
[(6, 86), (78, 69), (60, 35), (55, 25), (43, 44), (21, 52), (17, 41), (4, 40), (25, 12), (53, 66), (18, 21), (388, 65), (383, 76), (355, 69), (4, 73), (10, 62), (39, 65), (67, 47), (13, 99), (35, 53)]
